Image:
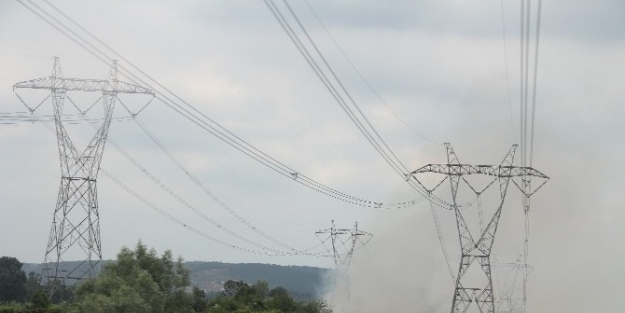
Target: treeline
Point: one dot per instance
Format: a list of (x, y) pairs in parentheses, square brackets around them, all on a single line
[(141, 281), (19, 292), (302, 282)]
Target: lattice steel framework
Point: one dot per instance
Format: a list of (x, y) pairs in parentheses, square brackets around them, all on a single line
[(509, 301), (76, 221), (479, 250), (348, 239)]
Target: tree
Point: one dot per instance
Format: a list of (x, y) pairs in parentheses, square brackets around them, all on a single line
[(140, 281), (279, 299), (32, 285), (240, 297), (40, 300), (12, 280)]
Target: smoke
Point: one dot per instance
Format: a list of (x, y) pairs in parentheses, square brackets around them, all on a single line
[(401, 269)]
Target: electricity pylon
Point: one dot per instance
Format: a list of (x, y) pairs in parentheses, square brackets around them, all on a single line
[(466, 291), (75, 227), (508, 301), (342, 255)]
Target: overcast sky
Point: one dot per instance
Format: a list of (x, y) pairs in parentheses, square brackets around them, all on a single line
[(440, 66)]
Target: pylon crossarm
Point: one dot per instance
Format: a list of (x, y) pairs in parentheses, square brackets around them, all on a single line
[(525, 190), (469, 169), (77, 84)]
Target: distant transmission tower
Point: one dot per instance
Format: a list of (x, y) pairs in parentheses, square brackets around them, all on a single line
[(508, 301), (75, 231), (343, 242), (477, 248)]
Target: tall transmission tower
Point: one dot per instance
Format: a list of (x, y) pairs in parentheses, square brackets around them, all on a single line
[(75, 231), (468, 291), (343, 242)]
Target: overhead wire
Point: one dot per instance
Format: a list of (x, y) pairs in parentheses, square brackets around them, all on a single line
[(527, 120), (163, 212), (505, 53), (366, 128), (327, 83), (206, 190), (83, 114), (349, 96), (253, 190), (84, 46), (535, 81), (361, 76), (202, 120), (171, 192), (256, 154)]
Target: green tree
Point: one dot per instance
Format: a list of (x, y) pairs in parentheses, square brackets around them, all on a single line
[(279, 299), (140, 281), (12, 280), (32, 285), (40, 300), (262, 289), (240, 297)]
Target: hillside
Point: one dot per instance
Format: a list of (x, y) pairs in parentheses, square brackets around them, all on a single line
[(301, 281)]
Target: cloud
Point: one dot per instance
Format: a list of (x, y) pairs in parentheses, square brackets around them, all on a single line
[(439, 66)]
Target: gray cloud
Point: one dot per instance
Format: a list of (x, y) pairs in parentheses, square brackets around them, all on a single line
[(439, 66)]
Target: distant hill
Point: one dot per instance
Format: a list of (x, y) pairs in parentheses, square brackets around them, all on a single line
[(301, 281)]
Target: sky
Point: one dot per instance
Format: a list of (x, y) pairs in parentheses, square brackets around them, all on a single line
[(445, 72)]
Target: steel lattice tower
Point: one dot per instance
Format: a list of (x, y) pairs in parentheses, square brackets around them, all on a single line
[(348, 238), (508, 301), (472, 250), (76, 221)]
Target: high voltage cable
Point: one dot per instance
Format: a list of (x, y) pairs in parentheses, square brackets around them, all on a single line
[(227, 136), (422, 136), (250, 188), (256, 152), (387, 154), (163, 212), (197, 182), (441, 240), (105, 61), (535, 80), (383, 149), (397, 166), (211, 126), (206, 190), (169, 190), (272, 252), (524, 117), (505, 53), (391, 159)]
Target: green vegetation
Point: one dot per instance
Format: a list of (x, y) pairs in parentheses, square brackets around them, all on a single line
[(19, 294), (302, 282), (12, 281), (241, 298), (142, 281)]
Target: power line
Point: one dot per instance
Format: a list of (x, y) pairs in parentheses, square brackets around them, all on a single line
[(200, 119), (505, 53), (364, 127), (526, 184), (383, 149), (535, 80), (73, 160), (419, 134), (175, 220)]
